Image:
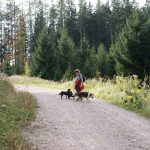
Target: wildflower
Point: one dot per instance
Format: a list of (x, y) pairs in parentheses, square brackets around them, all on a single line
[(129, 97)]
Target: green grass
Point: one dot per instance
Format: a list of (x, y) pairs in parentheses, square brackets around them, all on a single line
[(113, 91), (17, 110)]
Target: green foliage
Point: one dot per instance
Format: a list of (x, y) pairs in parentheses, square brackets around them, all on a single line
[(135, 96), (38, 28), (16, 69), (61, 15), (64, 54), (84, 52), (121, 10), (102, 60), (43, 59), (52, 24), (101, 22), (111, 64), (90, 66), (121, 28), (71, 21), (132, 47), (146, 9), (68, 74), (82, 17), (57, 74)]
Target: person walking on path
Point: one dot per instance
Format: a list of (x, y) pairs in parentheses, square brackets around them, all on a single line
[(79, 85)]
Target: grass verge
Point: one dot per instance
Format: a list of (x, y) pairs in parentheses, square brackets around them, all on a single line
[(17, 110), (116, 91)]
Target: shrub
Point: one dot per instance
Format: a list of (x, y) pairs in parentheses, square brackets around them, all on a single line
[(133, 94)]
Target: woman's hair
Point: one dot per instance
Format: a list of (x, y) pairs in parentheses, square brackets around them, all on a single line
[(77, 70)]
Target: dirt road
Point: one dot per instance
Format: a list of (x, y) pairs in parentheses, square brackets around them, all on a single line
[(69, 125)]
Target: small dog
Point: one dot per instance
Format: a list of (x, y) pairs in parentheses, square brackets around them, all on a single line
[(67, 93), (71, 95), (82, 95)]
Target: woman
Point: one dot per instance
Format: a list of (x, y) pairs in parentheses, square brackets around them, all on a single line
[(79, 86)]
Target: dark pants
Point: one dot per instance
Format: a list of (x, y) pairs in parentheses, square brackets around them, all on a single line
[(78, 89)]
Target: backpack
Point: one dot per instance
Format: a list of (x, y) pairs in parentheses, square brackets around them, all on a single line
[(84, 78)]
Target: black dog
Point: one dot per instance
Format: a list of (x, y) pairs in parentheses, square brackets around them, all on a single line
[(82, 95), (67, 93), (71, 95)]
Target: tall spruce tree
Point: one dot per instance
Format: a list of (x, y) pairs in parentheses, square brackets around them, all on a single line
[(53, 21), (71, 21), (64, 54), (102, 60), (82, 14), (43, 60), (132, 47), (84, 52), (121, 11), (146, 9), (61, 10), (103, 32), (39, 26), (90, 65), (90, 24)]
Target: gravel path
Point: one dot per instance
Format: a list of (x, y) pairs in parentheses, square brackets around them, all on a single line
[(95, 125)]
